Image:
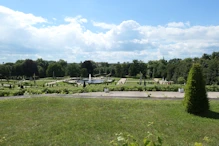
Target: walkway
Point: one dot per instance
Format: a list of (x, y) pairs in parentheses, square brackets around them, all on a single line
[(142, 94), (121, 81), (120, 94)]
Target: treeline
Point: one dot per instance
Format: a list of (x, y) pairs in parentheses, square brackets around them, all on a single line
[(173, 70)]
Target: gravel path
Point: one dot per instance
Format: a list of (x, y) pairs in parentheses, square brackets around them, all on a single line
[(120, 94), (121, 81)]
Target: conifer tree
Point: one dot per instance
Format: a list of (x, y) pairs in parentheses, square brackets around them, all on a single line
[(195, 99)]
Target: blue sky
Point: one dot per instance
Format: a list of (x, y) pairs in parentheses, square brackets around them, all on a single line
[(107, 30)]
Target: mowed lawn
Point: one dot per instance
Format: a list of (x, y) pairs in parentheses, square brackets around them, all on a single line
[(78, 121)]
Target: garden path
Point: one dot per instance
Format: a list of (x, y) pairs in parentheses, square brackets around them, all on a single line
[(121, 94), (121, 81)]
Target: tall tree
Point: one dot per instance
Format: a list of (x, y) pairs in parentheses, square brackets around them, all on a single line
[(42, 67), (84, 72), (55, 69), (30, 68), (119, 70), (73, 70), (195, 99), (89, 65)]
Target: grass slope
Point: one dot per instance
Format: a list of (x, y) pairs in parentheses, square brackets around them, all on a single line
[(68, 121)]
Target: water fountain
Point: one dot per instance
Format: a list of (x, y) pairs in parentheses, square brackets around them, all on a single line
[(89, 80)]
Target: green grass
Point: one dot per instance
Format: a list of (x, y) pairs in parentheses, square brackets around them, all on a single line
[(70, 121)]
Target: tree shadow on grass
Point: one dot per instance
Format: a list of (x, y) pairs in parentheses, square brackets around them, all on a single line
[(210, 114)]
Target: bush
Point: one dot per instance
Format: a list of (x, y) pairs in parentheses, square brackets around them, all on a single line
[(140, 89), (180, 80), (195, 99), (4, 93), (19, 92)]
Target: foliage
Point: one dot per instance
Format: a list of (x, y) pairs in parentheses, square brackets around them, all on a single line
[(137, 67), (30, 68), (73, 70), (84, 72), (180, 80), (195, 99), (55, 69), (89, 66), (42, 67), (119, 70), (170, 70), (129, 140)]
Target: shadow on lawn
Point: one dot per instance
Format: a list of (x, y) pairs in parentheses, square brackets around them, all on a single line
[(210, 114)]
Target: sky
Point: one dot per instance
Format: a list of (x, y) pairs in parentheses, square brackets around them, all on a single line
[(107, 30)]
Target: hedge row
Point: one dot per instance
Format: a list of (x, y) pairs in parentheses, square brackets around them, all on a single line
[(174, 88)]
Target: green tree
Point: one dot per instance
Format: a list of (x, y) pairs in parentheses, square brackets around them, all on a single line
[(84, 72), (119, 70), (42, 66), (73, 70), (30, 68), (136, 67), (180, 80), (89, 65), (195, 99), (3, 71), (55, 68)]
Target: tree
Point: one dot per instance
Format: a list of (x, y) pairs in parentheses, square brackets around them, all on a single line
[(55, 68), (195, 99), (30, 68), (3, 71), (180, 80), (42, 67), (18, 69), (119, 70), (84, 72), (89, 66), (162, 68), (73, 70)]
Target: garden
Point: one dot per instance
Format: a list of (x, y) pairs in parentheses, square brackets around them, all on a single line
[(59, 86)]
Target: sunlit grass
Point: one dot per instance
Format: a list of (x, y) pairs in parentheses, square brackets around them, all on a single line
[(70, 121)]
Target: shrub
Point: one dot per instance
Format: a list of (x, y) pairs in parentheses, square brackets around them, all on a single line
[(195, 99), (19, 92), (140, 89), (65, 91), (180, 80), (4, 93)]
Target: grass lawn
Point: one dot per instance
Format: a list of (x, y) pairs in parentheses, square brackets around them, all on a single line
[(77, 121)]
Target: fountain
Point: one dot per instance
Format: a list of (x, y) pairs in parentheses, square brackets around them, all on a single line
[(89, 80)]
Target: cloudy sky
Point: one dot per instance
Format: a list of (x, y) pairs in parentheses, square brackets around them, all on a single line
[(107, 30)]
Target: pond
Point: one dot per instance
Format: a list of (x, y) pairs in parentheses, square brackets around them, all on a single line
[(92, 81)]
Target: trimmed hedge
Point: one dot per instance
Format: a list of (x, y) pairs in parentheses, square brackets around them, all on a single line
[(195, 99)]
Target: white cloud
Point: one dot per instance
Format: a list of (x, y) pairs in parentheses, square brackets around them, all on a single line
[(176, 24), (22, 37), (19, 18), (103, 25)]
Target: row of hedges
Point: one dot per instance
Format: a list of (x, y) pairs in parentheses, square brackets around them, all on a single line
[(144, 88), (212, 88), (99, 88), (11, 93)]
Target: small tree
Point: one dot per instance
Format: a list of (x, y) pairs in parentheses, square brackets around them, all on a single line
[(84, 85), (181, 80), (195, 99)]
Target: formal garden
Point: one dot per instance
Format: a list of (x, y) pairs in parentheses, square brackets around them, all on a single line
[(55, 120), (61, 86)]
